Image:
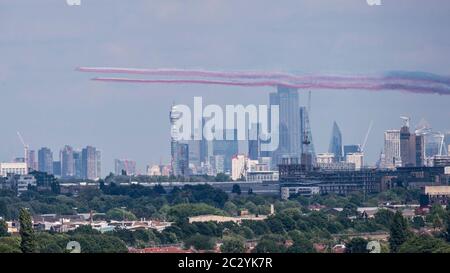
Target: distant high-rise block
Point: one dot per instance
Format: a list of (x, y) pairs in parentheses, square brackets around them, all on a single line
[(78, 164), (419, 150), (183, 159), (45, 160), (350, 149), (306, 139), (67, 163), (407, 147), (254, 144), (31, 160), (90, 163), (287, 100), (336, 143), (57, 168), (392, 148), (228, 147)]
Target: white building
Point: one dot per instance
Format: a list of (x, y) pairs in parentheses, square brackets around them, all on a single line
[(392, 157), (154, 170), (325, 158), (238, 167), (357, 159), (23, 181), (13, 168), (261, 176)]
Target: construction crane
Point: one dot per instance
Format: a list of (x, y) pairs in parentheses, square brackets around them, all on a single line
[(25, 147), (363, 146)]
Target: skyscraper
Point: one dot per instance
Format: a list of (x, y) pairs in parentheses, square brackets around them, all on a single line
[(336, 143), (67, 163), (306, 138), (78, 164), (392, 148), (45, 160), (289, 123), (98, 157), (228, 147), (89, 163), (183, 159), (407, 147), (419, 150), (57, 168), (174, 116), (254, 145), (31, 160), (350, 149)]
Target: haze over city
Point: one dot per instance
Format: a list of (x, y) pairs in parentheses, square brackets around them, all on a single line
[(52, 105)]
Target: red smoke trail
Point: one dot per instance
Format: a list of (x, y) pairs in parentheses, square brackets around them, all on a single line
[(317, 85), (415, 82)]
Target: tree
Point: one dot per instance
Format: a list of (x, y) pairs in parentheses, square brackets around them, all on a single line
[(28, 242), (232, 245), (424, 244), (384, 217), (236, 189), (357, 245), (398, 232), (447, 218), (418, 222), (200, 242), (120, 215), (3, 228), (272, 243)]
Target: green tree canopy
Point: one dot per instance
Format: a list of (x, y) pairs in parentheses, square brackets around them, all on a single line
[(28, 240), (398, 232)]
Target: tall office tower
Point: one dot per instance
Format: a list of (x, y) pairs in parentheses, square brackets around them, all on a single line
[(392, 148), (125, 165), (254, 144), (336, 143), (89, 163), (183, 159), (67, 163), (57, 168), (98, 156), (78, 164), (174, 116), (419, 150), (228, 147), (306, 138), (217, 163), (351, 149), (407, 147), (45, 160), (289, 123), (194, 152), (31, 160), (204, 153)]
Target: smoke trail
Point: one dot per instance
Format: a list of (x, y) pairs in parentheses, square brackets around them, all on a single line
[(316, 85), (413, 82)]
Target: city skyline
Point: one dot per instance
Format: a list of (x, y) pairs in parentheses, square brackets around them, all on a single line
[(60, 106)]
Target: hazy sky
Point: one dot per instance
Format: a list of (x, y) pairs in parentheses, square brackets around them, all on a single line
[(43, 97)]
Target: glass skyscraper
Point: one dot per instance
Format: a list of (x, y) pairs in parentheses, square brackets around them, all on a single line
[(336, 143)]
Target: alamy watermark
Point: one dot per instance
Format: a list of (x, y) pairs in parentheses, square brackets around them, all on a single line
[(239, 122)]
